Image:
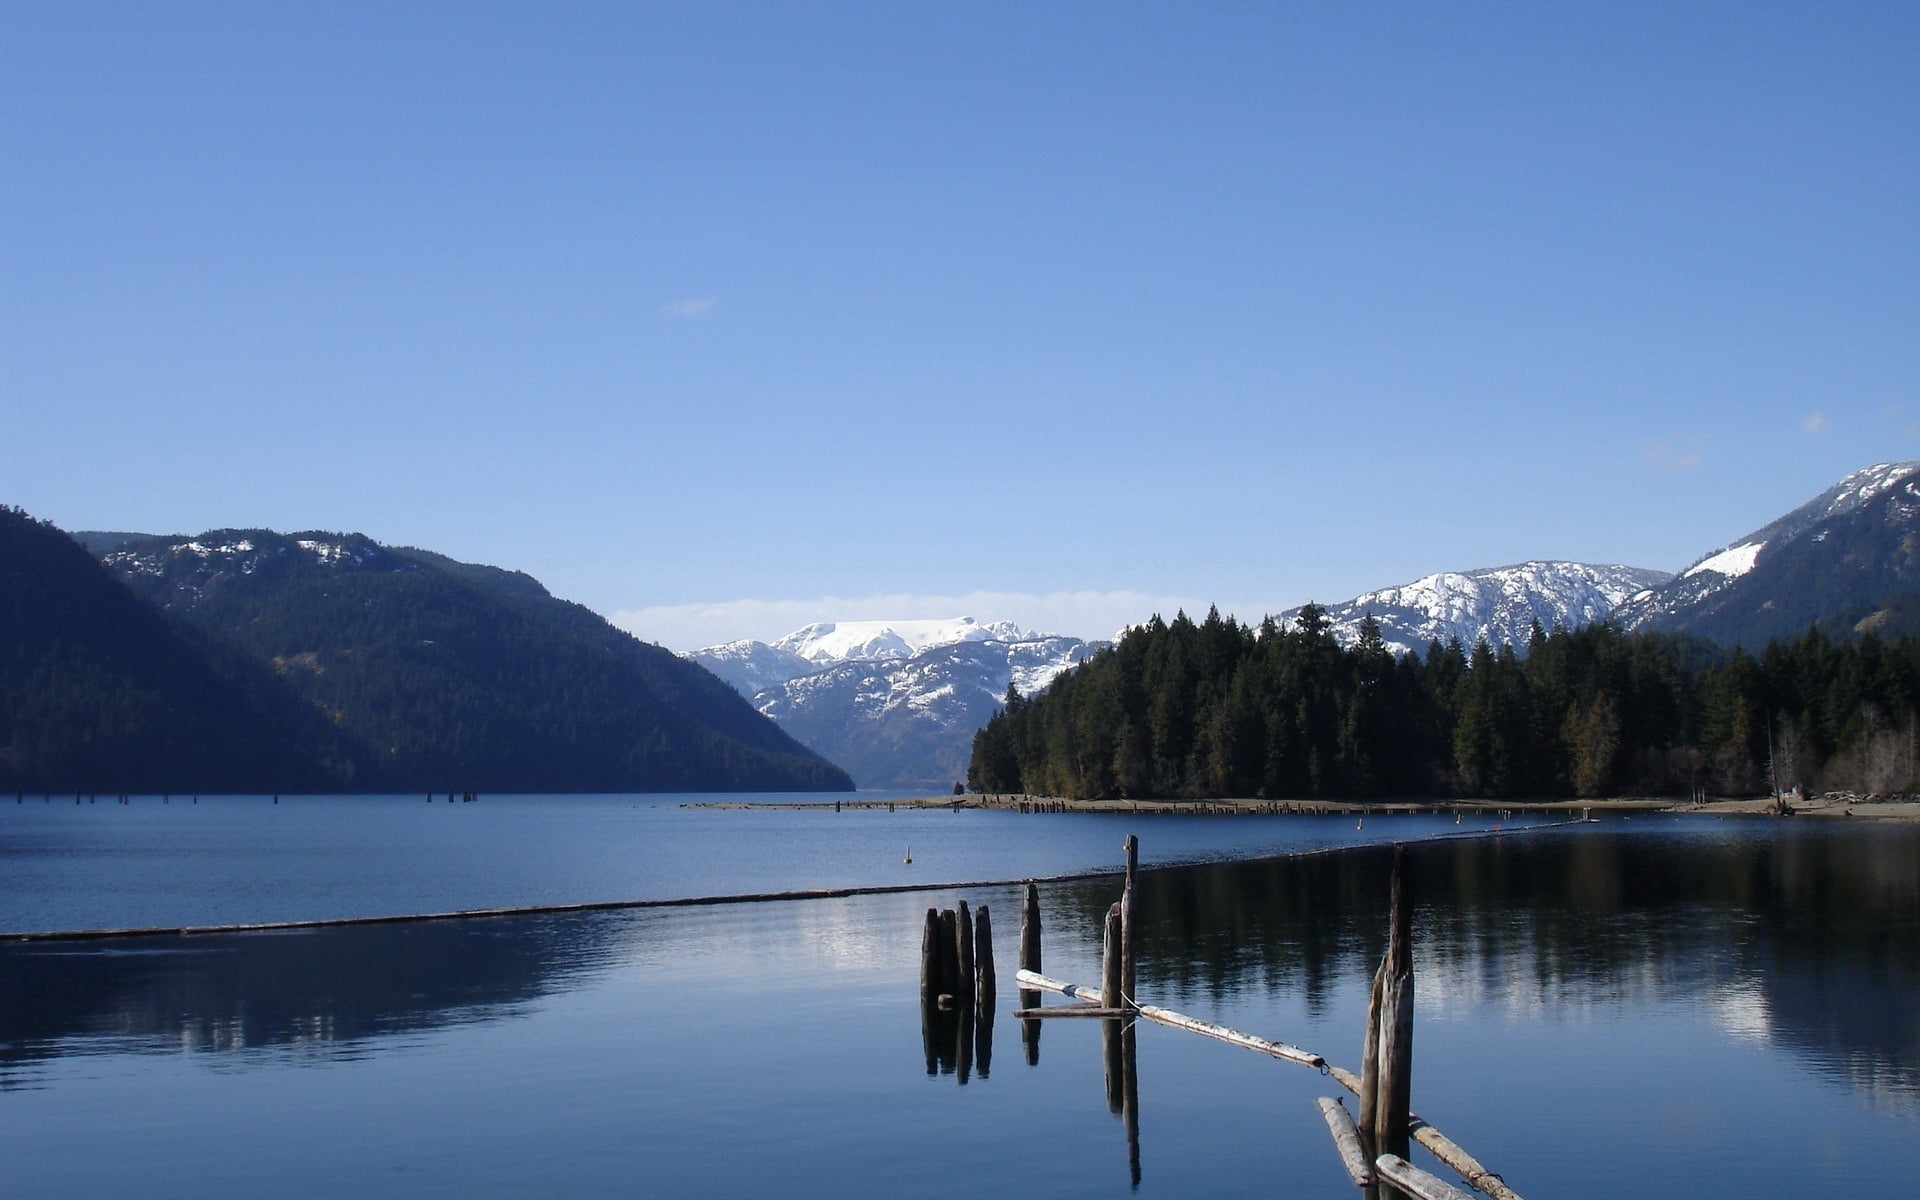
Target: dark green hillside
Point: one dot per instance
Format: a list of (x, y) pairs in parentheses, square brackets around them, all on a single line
[(99, 692), (468, 677)]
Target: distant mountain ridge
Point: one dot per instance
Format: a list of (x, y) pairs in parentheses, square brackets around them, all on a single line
[(451, 675), (1498, 604), (1849, 556), (894, 702)]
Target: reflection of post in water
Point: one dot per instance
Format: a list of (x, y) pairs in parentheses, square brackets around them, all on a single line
[(1030, 961), (983, 1009), (1117, 1047), (956, 991)]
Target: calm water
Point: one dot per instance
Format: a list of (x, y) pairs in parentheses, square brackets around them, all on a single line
[(237, 860), (1644, 1008)]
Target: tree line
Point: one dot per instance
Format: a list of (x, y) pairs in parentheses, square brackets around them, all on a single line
[(1216, 708)]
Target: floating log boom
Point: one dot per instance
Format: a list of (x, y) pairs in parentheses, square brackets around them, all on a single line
[(1346, 1139), (1415, 1182), (1292, 1054)]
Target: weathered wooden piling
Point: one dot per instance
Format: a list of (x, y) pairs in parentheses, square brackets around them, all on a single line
[(963, 991), (1030, 931), (1028, 959), (1369, 1089), (1393, 1047), (930, 957), (1129, 925), (1110, 989), (984, 988), (949, 954)]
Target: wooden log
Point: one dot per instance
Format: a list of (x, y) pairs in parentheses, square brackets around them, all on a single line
[(1071, 1010), (1281, 1050), (1110, 959), (1129, 924), (983, 960), (1030, 931), (1415, 1182), (1346, 1140), (1440, 1146), (1035, 981), (963, 953), (1393, 1114), (1470, 1168)]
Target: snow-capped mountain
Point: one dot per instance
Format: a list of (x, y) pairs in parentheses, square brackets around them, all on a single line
[(828, 642), (895, 703), (1837, 557), (1499, 604), (909, 722), (751, 667)]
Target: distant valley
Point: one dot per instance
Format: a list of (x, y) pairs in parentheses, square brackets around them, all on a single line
[(895, 703)]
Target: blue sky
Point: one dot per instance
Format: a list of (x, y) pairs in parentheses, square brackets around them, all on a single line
[(722, 318)]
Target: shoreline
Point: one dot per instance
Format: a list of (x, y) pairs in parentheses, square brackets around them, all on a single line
[(1823, 805)]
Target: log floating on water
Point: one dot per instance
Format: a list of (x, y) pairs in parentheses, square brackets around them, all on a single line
[(1346, 1139), (1071, 1010), (1415, 1182), (1293, 1054), (1035, 981)]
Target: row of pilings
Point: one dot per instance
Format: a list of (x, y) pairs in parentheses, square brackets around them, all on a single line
[(957, 991)]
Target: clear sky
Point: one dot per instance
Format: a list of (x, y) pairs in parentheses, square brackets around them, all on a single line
[(721, 318)]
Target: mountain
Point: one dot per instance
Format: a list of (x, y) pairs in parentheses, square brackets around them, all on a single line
[(894, 702), (100, 692), (829, 642), (462, 676), (1848, 558), (1499, 604), (750, 667)]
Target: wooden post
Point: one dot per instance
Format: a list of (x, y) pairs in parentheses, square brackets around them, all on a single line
[(1392, 1129), (983, 961), (1129, 925), (963, 989), (949, 953), (1110, 959), (1030, 932), (930, 958), (983, 1038), (1029, 960), (1369, 1093)]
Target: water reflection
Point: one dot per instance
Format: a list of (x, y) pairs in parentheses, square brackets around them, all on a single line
[(324, 990), (1805, 937)]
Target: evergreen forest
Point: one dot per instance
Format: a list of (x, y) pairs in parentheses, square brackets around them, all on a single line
[(1219, 709)]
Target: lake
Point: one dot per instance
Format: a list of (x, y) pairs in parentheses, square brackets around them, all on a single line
[(1650, 1007)]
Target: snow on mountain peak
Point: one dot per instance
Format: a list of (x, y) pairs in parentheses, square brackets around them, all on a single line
[(1732, 562), (842, 641), (1500, 604)]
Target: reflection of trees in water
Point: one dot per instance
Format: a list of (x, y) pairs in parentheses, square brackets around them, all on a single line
[(1821, 924), (321, 987)]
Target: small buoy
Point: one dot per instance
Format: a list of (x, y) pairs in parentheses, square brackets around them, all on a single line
[(1456, 818), (909, 855), (1360, 824)]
